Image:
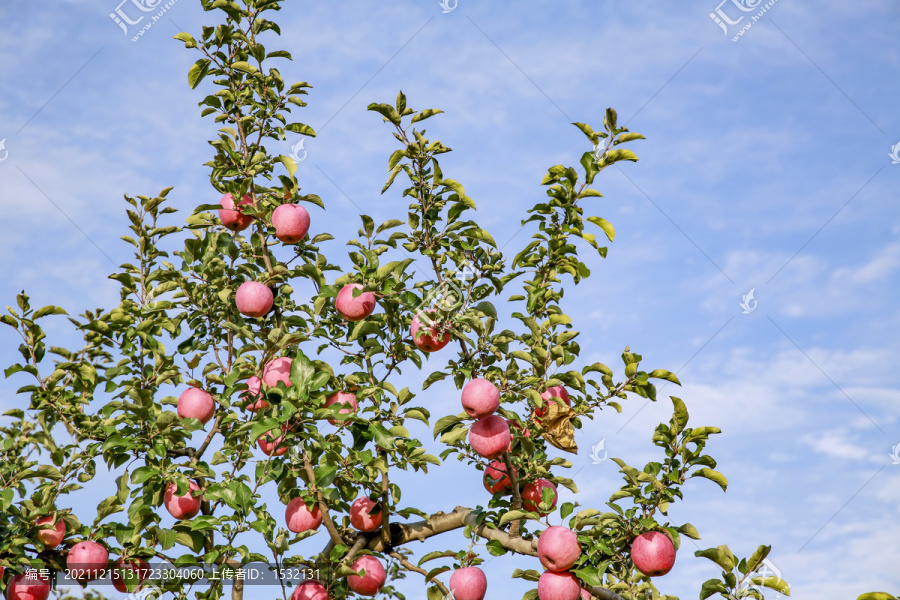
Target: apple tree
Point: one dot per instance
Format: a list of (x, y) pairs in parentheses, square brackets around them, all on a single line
[(240, 359)]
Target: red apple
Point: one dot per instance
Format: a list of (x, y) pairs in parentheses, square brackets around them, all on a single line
[(194, 403), (371, 582), (182, 507), (28, 586), (129, 576), (310, 590), (532, 496), (361, 516), (51, 537), (87, 561), (272, 446), (291, 222), (300, 518), (234, 220), (278, 370), (489, 437), (354, 309), (496, 479), (557, 391), (653, 553), (344, 399), (558, 548), (427, 340), (253, 299), (586, 595), (254, 395), (468, 583), (558, 586), (480, 398)]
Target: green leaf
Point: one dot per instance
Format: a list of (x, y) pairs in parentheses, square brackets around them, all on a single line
[(663, 374), (302, 371), (876, 596), (48, 310), (425, 114), (512, 515), (198, 72), (289, 164), (714, 476), (383, 437), (605, 225), (495, 547), (757, 557), (188, 39), (244, 67), (444, 423), (773, 583), (712, 586), (720, 555), (680, 416)]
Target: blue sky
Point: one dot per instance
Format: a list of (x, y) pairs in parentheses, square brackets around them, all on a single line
[(766, 167)]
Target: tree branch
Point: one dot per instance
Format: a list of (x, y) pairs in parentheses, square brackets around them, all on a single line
[(323, 507), (411, 567)]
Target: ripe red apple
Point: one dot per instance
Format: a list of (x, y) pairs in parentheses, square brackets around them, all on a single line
[(361, 516), (354, 309), (182, 507), (558, 586), (557, 391), (253, 299), (532, 496), (310, 590), (489, 436), (427, 340), (25, 586), (272, 446), (231, 218), (653, 553), (586, 595), (254, 395), (291, 222), (344, 399), (496, 479), (51, 537), (468, 583), (87, 561), (129, 576), (371, 582), (300, 518), (278, 370), (194, 403), (480, 398), (558, 548)]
